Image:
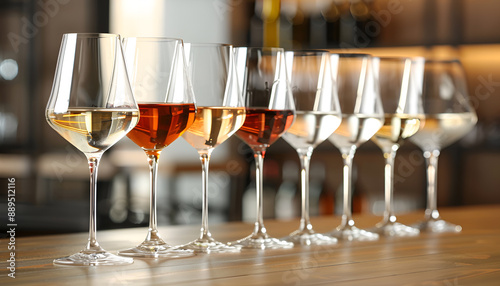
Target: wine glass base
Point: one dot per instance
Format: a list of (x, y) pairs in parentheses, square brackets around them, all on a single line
[(251, 242), (210, 246), (93, 259), (437, 226), (395, 229), (352, 233), (156, 251), (305, 238)]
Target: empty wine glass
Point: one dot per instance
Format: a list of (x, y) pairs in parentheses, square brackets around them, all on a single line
[(166, 103), (362, 117), (317, 117), (270, 112), (448, 117), (91, 105), (221, 113), (400, 84)]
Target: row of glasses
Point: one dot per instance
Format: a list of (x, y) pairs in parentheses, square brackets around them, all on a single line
[(425, 101), (386, 100), (256, 93)]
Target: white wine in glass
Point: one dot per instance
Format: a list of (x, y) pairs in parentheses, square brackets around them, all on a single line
[(448, 117), (317, 117), (91, 105), (362, 117), (221, 113), (400, 84)]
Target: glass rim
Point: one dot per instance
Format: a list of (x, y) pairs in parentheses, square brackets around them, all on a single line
[(395, 58), (201, 44), (154, 39), (308, 51), (277, 49), (352, 55), (93, 35), (443, 61)]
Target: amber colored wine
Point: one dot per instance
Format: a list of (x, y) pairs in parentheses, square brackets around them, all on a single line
[(161, 124), (262, 127), (92, 130), (396, 128), (213, 125)]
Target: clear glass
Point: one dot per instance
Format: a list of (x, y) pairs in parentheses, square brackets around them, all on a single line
[(317, 117), (400, 83), (221, 113), (449, 117), (91, 105), (162, 89), (362, 117), (270, 111)]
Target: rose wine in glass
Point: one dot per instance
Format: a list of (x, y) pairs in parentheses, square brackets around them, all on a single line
[(448, 117), (317, 117), (221, 113), (162, 89), (91, 106), (270, 111), (362, 117), (400, 85)]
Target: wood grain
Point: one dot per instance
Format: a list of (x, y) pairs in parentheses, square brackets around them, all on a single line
[(469, 258)]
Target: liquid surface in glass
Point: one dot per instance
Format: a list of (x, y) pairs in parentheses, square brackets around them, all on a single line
[(441, 130), (213, 125), (262, 127), (161, 124), (93, 130), (311, 128)]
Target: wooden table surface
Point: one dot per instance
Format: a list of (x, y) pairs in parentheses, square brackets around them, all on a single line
[(471, 257)]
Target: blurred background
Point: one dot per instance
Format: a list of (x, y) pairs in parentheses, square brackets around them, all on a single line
[(52, 180)]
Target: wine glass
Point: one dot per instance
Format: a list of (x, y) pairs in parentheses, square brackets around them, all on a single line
[(317, 117), (221, 113), (400, 83), (449, 116), (92, 106), (166, 103), (270, 112), (362, 117)]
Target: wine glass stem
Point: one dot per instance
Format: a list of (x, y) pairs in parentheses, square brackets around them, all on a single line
[(347, 157), (431, 159), (259, 164), (204, 158), (153, 170), (93, 161), (389, 185), (305, 158)]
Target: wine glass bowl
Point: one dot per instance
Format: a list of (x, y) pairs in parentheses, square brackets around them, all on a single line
[(221, 113), (317, 117), (92, 106), (270, 112), (449, 117), (159, 80), (362, 117), (400, 85)]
